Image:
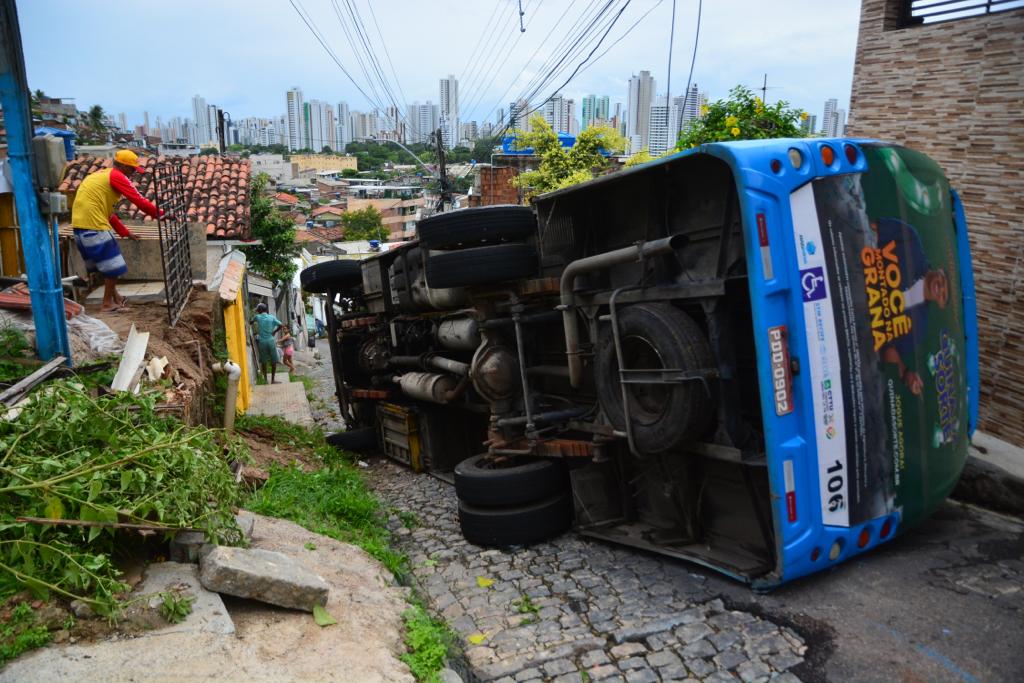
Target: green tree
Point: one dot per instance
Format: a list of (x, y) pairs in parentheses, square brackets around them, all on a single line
[(743, 116), (236, 148), (365, 224), (327, 150), (483, 148), (209, 150), (92, 130), (349, 173), (564, 166), (273, 257)]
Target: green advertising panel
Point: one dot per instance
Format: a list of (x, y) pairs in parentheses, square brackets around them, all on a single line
[(885, 330)]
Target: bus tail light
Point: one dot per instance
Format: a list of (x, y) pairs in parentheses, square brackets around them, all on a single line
[(766, 249), (851, 153), (782, 380), (864, 537), (886, 529), (828, 155), (790, 483)]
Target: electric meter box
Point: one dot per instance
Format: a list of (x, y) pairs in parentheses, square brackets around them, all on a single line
[(50, 160)]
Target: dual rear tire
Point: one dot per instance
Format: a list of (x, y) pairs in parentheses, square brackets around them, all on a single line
[(520, 502)]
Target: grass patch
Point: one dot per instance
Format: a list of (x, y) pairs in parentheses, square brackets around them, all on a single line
[(21, 631), (335, 501), (428, 640)]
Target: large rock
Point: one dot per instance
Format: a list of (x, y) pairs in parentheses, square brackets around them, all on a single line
[(262, 575)]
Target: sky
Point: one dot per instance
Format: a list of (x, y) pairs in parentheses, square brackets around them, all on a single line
[(243, 55)]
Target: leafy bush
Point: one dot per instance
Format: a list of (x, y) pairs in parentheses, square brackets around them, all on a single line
[(564, 166), (71, 456), (743, 116)]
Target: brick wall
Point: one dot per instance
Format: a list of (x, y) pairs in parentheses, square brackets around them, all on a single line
[(494, 187), (955, 91)]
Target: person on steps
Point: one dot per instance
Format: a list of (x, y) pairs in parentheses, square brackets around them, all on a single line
[(287, 343), (267, 326), (92, 217)]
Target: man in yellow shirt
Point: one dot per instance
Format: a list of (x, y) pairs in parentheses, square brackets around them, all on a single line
[(92, 217)]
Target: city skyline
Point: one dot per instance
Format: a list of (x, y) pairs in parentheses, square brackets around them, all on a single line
[(807, 58)]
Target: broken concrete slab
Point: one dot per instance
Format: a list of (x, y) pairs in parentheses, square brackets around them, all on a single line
[(269, 644), (262, 575), (246, 521), (185, 545), (208, 612)]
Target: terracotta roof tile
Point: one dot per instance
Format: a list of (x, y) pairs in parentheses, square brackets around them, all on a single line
[(216, 191)]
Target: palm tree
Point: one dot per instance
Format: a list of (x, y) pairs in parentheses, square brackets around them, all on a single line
[(96, 116)]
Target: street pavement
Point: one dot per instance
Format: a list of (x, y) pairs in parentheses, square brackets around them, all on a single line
[(944, 602)]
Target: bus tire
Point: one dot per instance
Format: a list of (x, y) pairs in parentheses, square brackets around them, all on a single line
[(475, 226), (331, 275), (358, 440), (666, 415), (526, 480), (480, 265), (522, 525)]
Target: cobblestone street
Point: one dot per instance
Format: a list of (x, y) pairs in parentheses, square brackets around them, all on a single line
[(944, 602), (556, 609)]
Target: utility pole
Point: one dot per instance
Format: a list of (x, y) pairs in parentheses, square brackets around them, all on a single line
[(38, 244), (442, 174), (764, 90)]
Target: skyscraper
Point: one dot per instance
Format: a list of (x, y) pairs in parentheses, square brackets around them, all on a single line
[(294, 112), (559, 112), (664, 125), (122, 122), (343, 134), (828, 118), (202, 120), (810, 125), (449, 105), (638, 110), (595, 109), (423, 120), (517, 114), (321, 125), (694, 101)]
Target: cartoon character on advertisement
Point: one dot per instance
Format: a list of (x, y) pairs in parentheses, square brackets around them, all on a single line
[(902, 286)]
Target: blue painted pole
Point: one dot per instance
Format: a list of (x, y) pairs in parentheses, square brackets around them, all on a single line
[(43, 269)]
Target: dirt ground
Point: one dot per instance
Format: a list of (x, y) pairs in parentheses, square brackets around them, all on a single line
[(188, 345), (265, 452)]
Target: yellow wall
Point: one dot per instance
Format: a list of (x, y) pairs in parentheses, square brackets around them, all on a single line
[(235, 332), (12, 265), (324, 162)]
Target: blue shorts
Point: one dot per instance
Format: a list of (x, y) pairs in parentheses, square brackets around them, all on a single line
[(100, 252)]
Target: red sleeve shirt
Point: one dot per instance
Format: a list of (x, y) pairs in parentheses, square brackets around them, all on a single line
[(119, 181), (118, 226)]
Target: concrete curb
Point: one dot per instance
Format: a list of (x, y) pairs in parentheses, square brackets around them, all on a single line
[(993, 476)]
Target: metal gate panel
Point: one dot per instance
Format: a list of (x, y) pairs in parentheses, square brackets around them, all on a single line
[(175, 252)]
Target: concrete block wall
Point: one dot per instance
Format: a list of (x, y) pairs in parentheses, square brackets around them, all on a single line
[(143, 256), (955, 90)]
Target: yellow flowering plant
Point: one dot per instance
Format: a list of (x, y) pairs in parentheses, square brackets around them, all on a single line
[(742, 116)]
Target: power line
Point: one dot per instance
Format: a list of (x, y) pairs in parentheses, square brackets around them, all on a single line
[(559, 55), (473, 86), (476, 65), (296, 5), (693, 59), (482, 91), (668, 77)]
